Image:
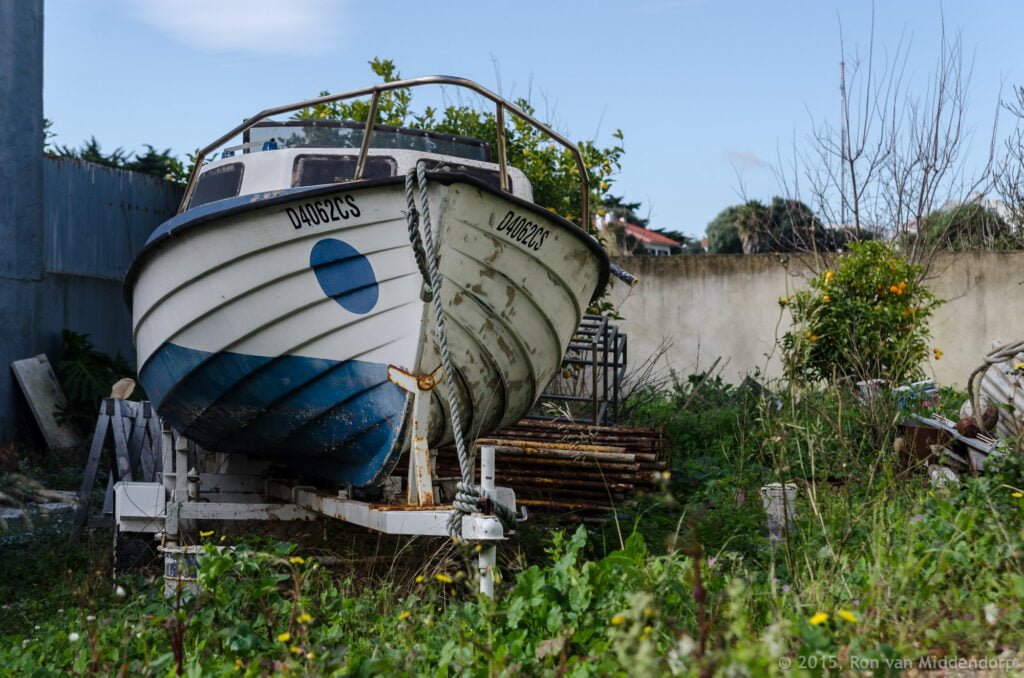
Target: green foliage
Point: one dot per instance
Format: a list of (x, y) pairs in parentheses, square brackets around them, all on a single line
[(781, 226), (868, 319), (723, 234), (875, 568), (968, 227), (615, 206), (551, 169), (48, 135), (86, 376), (160, 164)]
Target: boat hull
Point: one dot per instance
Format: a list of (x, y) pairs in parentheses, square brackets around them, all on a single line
[(262, 332)]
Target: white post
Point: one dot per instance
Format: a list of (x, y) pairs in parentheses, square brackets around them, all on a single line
[(167, 458), (487, 561), (488, 558), (487, 469), (421, 485)]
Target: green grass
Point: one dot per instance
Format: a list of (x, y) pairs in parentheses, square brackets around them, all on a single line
[(879, 566)]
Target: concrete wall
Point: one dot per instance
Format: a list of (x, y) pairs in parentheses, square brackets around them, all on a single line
[(21, 188), (727, 305)]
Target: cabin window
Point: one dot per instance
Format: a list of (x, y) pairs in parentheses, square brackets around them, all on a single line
[(217, 183), (337, 134), (313, 170)]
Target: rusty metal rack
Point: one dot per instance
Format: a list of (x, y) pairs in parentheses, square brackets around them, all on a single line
[(571, 469), (593, 370)]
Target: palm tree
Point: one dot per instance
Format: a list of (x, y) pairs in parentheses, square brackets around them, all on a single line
[(752, 224)]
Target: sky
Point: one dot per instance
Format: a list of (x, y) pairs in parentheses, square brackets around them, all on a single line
[(709, 94)]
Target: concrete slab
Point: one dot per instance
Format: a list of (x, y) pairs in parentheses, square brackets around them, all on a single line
[(45, 397)]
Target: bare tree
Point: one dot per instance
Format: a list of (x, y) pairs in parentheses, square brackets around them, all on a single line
[(898, 153), (1010, 176)]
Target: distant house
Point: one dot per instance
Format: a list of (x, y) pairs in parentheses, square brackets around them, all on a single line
[(651, 242)]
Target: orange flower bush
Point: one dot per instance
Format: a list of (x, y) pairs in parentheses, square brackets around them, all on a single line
[(867, 319)]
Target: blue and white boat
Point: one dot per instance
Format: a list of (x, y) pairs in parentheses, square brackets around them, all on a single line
[(268, 312)]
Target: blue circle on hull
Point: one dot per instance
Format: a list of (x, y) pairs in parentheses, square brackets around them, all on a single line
[(345, 275)]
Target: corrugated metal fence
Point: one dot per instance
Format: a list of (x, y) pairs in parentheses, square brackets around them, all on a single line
[(94, 221)]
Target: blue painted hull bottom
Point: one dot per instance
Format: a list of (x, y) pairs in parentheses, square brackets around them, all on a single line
[(337, 421)]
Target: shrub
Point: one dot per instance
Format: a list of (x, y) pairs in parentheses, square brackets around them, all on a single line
[(87, 375), (867, 319)]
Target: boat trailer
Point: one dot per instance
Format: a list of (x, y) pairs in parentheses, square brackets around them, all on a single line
[(182, 484)]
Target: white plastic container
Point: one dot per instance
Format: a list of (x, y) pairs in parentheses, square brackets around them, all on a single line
[(780, 504)]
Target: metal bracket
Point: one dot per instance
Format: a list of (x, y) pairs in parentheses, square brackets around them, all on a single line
[(421, 484)]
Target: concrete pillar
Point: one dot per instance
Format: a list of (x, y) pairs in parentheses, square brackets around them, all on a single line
[(21, 190)]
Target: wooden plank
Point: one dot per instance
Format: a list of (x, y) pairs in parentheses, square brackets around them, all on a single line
[(91, 466), (156, 440), (122, 462), (108, 496), (45, 397), (137, 437), (147, 458)]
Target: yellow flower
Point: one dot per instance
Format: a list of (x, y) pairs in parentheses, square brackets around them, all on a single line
[(1019, 366), (443, 578), (239, 663), (847, 615), (826, 298), (204, 535), (1017, 495), (284, 637), (305, 618), (783, 301), (296, 560), (405, 615), (819, 619), (647, 631), (619, 619), (311, 655), (419, 579), (296, 649), (828, 277)]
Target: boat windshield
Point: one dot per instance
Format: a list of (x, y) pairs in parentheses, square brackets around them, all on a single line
[(269, 136)]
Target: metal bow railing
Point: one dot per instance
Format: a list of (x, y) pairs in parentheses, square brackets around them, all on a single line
[(375, 92)]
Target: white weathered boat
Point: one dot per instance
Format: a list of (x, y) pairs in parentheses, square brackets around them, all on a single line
[(268, 312)]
